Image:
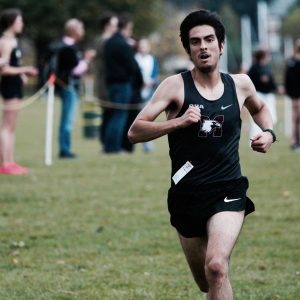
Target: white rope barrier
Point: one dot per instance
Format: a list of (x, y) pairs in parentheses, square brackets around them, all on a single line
[(114, 105), (105, 103)]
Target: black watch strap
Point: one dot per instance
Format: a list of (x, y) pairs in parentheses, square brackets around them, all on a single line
[(272, 133)]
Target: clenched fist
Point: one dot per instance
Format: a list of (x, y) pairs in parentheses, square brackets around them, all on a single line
[(192, 115)]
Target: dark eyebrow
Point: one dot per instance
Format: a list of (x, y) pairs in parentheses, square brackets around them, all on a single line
[(205, 37), (209, 36)]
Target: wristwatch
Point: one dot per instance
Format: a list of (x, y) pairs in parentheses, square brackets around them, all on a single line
[(272, 133)]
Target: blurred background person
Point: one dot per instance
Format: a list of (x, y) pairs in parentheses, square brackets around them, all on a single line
[(149, 67), (120, 70), (136, 101), (70, 67), (292, 88), (13, 76), (261, 75), (108, 25)]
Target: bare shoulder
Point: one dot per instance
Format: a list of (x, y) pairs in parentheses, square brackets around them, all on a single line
[(6, 45), (244, 87), (168, 97), (172, 83), (170, 89), (242, 81)]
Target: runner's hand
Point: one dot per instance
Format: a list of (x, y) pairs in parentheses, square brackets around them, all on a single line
[(192, 115), (262, 142)]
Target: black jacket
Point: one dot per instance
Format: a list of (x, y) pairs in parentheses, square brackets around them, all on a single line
[(262, 78), (120, 64), (292, 78), (68, 58)]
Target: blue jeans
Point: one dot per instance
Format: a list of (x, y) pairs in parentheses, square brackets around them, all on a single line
[(69, 100), (113, 133)]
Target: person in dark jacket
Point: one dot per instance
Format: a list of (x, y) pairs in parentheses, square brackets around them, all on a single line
[(262, 77), (292, 88), (70, 67), (108, 25), (136, 103), (120, 66)]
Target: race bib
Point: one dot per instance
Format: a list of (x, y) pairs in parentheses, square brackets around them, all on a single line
[(186, 168)]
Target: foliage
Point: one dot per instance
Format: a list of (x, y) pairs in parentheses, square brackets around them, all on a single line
[(291, 23), (98, 229), (240, 7), (232, 26), (45, 19)]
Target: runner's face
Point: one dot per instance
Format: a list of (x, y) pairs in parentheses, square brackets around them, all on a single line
[(204, 48)]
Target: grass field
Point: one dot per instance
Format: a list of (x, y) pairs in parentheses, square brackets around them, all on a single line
[(98, 227)]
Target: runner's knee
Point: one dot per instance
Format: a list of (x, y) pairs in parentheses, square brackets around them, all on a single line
[(216, 270)]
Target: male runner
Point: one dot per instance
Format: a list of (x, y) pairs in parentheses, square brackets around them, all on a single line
[(207, 198)]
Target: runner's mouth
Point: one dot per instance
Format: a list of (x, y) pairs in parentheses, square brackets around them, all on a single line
[(204, 56)]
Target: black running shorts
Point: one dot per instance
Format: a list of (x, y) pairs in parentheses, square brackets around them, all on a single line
[(11, 87), (191, 208)]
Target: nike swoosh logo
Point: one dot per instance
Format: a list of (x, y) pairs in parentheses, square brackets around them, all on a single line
[(224, 107), (231, 200)]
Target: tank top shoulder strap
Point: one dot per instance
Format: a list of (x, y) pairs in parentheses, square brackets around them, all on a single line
[(186, 76), (191, 96), (190, 91), (229, 83), (228, 80)]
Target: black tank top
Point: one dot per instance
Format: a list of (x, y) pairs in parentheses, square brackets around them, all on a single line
[(11, 86), (211, 145)]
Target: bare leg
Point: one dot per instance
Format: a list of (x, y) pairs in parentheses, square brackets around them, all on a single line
[(295, 122), (7, 131), (208, 258), (223, 231), (195, 253)]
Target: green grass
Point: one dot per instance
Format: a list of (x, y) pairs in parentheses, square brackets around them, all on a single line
[(98, 227)]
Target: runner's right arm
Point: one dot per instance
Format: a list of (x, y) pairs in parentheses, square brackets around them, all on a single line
[(169, 98)]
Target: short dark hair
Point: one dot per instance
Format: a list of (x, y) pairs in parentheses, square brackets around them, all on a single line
[(201, 17), (259, 54), (104, 19), (124, 20), (8, 17)]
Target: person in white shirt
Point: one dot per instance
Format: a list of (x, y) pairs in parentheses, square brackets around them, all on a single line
[(149, 68)]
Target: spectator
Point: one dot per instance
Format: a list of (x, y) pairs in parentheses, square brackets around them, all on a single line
[(136, 102), (13, 77), (120, 69), (261, 75), (108, 25), (292, 88), (70, 67), (149, 68)]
